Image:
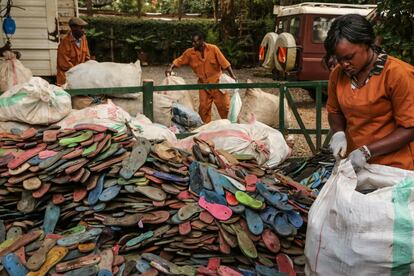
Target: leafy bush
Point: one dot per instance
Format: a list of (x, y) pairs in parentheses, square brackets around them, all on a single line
[(165, 40)]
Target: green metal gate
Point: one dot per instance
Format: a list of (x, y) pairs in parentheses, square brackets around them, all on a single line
[(148, 88)]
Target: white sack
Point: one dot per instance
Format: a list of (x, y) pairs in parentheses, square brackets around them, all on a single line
[(224, 78), (267, 145), (93, 74), (13, 72), (180, 96), (350, 233), (35, 102), (264, 106), (112, 116)]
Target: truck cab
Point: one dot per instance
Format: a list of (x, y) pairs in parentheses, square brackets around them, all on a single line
[(294, 51)]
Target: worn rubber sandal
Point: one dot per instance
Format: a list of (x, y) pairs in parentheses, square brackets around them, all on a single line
[(152, 192), (109, 193), (79, 237), (285, 264), (13, 265), (246, 245), (88, 270), (294, 218), (93, 196), (54, 256), (77, 139), (281, 224), (25, 156), (43, 189), (136, 159), (220, 212), (51, 218), (271, 240), (39, 256), (107, 258), (235, 183), (213, 197), (140, 238), (231, 199), (188, 211), (254, 222), (247, 200), (32, 183)]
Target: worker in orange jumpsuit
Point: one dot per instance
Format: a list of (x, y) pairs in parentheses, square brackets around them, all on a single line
[(370, 98), (73, 49), (207, 62)]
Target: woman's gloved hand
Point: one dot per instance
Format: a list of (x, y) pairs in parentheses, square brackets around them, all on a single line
[(359, 158), (338, 145)]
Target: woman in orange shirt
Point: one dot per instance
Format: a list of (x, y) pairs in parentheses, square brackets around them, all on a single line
[(370, 98)]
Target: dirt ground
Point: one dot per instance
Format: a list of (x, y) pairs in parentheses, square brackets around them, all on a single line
[(306, 106)]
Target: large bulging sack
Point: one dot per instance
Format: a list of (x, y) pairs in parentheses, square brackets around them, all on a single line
[(93, 74), (264, 107), (35, 102), (352, 233), (266, 144), (113, 116), (12, 72)]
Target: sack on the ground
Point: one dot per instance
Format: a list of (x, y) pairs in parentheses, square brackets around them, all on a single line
[(35, 102), (12, 72), (351, 233), (267, 145), (264, 106), (113, 116), (8, 126), (93, 74), (185, 116), (180, 96)]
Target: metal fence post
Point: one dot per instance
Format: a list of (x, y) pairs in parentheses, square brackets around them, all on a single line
[(148, 89), (282, 88), (318, 116)]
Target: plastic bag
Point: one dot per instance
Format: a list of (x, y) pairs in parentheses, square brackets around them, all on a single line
[(13, 72), (35, 102), (350, 233), (235, 106)]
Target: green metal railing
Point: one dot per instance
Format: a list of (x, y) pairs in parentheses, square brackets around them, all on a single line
[(148, 88)]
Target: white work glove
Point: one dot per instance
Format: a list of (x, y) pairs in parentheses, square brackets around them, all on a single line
[(338, 145), (359, 158)]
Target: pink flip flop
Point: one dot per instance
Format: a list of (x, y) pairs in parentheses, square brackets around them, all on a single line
[(220, 212)]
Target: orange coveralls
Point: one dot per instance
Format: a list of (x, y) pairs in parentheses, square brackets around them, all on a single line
[(376, 109), (69, 55), (208, 70)]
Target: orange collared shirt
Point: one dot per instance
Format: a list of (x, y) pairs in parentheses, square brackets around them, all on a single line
[(207, 69), (376, 109), (69, 55)]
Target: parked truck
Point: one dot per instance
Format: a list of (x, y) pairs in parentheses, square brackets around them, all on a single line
[(39, 25), (294, 51)]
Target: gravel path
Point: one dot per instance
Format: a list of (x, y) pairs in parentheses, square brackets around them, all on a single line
[(306, 106)]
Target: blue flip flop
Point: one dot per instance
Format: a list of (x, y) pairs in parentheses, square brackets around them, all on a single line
[(246, 271), (213, 197), (99, 207), (109, 193), (170, 177), (13, 266), (79, 237), (34, 161), (142, 265), (268, 215), (52, 215), (272, 198), (220, 182), (254, 222), (88, 270), (94, 194), (196, 178), (282, 225), (238, 209), (268, 271), (294, 218), (105, 272)]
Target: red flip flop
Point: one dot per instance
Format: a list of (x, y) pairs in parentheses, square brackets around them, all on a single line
[(285, 264)]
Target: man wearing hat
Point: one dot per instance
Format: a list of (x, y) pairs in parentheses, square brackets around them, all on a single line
[(73, 49)]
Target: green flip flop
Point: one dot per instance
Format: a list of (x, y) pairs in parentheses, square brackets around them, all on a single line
[(77, 139), (247, 200)]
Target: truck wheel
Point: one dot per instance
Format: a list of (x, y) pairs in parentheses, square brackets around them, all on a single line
[(267, 50), (285, 57)]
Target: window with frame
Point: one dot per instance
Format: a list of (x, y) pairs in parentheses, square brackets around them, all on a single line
[(320, 28), (294, 27)]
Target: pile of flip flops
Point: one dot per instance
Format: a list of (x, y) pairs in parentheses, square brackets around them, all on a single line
[(91, 201)]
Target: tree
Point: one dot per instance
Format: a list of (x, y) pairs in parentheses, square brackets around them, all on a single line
[(395, 25)]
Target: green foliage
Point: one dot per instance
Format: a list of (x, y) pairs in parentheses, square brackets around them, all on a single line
[(165, 40), (396, 27)]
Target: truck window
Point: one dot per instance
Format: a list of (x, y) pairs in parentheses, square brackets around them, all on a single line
[(294, 27), (281, 25), (320, 28)]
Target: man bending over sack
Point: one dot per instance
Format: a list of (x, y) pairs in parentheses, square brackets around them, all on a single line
[(207, 62)]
